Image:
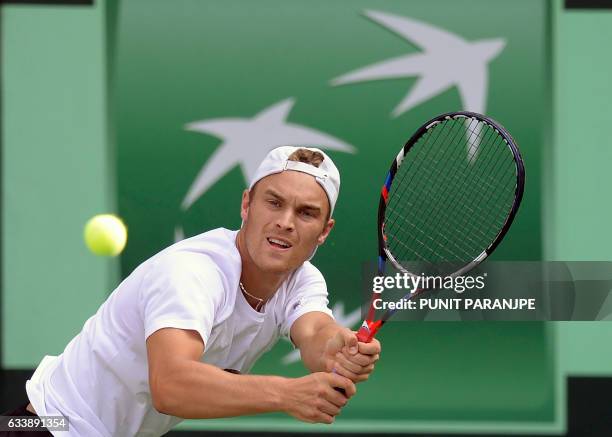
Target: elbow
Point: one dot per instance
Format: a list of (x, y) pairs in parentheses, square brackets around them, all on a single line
[(161, 398), (160, 404), (159, 401)]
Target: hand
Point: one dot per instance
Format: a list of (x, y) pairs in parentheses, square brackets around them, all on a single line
[(313, 398), (350, 358)]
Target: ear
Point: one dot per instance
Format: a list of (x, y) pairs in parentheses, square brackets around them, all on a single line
[(328, 227), (244, 206)]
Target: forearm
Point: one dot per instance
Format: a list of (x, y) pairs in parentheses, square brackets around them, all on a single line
[(195, 390), (313, 351)]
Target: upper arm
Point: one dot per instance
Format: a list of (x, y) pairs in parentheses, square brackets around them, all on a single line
[(167, 347), (183, 291), (306, 326), (307, 298)]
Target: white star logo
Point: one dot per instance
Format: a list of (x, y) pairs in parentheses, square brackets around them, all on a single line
[(446, 60), (247, 141), (346, 320)]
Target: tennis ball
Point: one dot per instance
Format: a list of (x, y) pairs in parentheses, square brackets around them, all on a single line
[(105, 234)]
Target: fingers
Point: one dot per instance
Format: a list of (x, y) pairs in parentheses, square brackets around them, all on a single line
[(344, 383), (317, 416), (345, 339), (350, 341), (371, 348), (350, 364), (353, 363), (330, 401), (339, 399), (313, 398), (328, 407), (360, 359), (355, 377)]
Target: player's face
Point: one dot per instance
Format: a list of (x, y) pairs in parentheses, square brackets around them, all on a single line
[(285, 219)]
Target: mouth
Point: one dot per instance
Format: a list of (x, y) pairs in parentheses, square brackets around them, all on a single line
[(279, 243)]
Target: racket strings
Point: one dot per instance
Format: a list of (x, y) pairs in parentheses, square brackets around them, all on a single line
[(407, 234), (493, 203), (476, 208), (468, 220), (492, 207), (430, 247), (418, 227), (475, 226), (411, 182), (458, 178), (452, 195), (437, 200), (406, 208)]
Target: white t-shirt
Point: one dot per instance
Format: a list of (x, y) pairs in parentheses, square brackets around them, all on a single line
[(100, 381)]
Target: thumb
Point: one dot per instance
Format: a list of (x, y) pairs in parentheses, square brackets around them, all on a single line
[(350, 341), (336, 343)]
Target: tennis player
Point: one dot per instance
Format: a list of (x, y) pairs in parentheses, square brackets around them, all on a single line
[(177, 336)]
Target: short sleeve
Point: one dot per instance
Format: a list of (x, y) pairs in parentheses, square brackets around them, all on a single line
[(307, 292), (184, 291)]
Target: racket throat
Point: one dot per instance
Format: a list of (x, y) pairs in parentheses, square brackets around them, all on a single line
[(368, 330)]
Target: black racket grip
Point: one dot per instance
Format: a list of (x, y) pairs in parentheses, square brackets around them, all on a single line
[(339, 389)]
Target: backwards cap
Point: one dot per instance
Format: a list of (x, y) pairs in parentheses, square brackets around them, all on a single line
[(326, 174)]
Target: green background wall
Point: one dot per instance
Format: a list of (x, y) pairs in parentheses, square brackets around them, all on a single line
[(578, 180), (58, 169), (233, 60), (56, 173)]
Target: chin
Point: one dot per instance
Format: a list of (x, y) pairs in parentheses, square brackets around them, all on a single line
[(275, 268), (279, 265)]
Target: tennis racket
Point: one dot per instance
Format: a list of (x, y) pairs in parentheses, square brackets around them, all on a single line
[(447, 202)]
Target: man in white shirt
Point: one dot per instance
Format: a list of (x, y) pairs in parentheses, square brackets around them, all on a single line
[(155, 352)]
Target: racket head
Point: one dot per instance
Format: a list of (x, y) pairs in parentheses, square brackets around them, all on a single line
[(449, 198), (450, 195)]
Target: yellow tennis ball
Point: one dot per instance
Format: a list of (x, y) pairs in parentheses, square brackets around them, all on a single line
[(105, 234)]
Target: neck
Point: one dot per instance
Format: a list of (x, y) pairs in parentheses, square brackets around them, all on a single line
[(257, 282)]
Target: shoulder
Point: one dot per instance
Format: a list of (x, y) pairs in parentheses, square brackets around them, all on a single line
[(305, 291), (211, 253), (307, 275), (205, 269), (304, 283)]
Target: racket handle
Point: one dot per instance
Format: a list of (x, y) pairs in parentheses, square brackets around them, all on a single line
[(368, 330), (338, 389), (364, 335)]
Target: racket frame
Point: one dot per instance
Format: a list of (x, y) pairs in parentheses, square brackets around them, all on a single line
[(370, 327)]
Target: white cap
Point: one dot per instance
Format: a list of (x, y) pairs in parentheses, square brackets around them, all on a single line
[(326, 174)]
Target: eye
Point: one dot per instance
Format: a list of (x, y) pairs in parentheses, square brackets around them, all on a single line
[(274, 202), (307, 213)]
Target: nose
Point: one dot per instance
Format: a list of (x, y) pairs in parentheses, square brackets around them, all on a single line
[(285, 220)]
